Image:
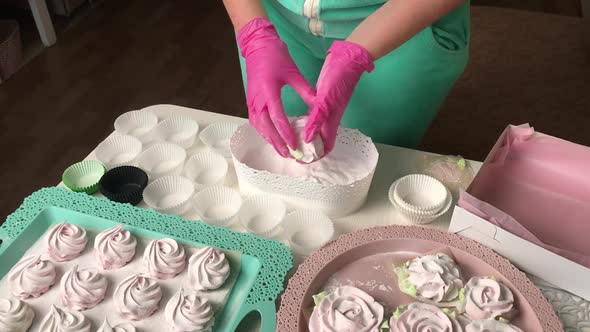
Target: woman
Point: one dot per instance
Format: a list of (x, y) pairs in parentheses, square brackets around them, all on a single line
[(412, 50)]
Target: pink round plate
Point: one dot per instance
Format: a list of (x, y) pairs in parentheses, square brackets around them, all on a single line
[(358, 259)]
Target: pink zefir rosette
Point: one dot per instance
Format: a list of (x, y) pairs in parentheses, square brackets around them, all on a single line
[(59, 320), (164, 258), (137, 297), (486, 298), (306, 152), (347, 309), (423, 317), (123, 327), (31, 277), (82, 289), (65, 242), (434, 279), (208, 269), (114, 247), (15, 315), (188, 312)]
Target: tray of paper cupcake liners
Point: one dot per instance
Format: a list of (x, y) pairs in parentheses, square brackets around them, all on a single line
[(74, 262), (171, 166)]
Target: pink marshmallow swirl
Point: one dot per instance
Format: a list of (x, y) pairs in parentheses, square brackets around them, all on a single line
[(66, 242), (82, 289), (486, 298), (58, 320), (15, 315), (123, 327), (31, 276), (346, 309), (164, 258), (424, 317), (137, 297), (436, 277), (312, 151), (208, 269), (490, 325), (187, 312), (114, 247)]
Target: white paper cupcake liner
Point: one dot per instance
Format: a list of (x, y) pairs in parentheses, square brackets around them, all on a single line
[(177, 130), (262, 215), (217, 205), (136, 123), (421, 218), (307, 230), (162, 159), (217, 136), (419, 193), (206, 169), (119, 150), (169, 194)]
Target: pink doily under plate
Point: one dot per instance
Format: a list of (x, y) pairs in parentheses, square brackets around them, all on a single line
[(312, 274)]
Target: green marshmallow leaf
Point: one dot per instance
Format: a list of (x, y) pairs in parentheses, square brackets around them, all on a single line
[(319, 297)]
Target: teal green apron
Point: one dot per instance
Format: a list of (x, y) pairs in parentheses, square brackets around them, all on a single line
[(397, 101)]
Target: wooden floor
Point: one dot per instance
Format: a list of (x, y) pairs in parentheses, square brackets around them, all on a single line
[(124, 56), (130, 54)]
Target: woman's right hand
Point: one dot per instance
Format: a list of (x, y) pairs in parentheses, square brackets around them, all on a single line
[(269, 67)]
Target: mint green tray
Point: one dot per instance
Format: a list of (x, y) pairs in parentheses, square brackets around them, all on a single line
[(265, 263)]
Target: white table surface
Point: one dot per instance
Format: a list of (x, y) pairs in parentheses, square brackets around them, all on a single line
[(394, 162)]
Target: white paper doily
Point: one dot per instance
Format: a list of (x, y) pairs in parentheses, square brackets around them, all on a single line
[(573, 311)]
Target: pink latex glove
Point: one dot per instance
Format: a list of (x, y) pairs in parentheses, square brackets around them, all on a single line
[(269, 67), (344, 65)]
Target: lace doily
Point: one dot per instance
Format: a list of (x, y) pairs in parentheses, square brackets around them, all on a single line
[(573, 311)]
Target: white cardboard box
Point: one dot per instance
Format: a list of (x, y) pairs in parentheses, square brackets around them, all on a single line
[(527, 256)]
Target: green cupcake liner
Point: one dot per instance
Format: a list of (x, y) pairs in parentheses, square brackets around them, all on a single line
[(84, 176)]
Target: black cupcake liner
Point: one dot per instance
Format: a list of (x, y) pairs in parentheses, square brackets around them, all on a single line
[(124, 184)]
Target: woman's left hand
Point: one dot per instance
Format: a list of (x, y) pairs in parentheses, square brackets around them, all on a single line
[(344, 65)]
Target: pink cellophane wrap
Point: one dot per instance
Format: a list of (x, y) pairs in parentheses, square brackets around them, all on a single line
[(537, 187)]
